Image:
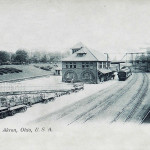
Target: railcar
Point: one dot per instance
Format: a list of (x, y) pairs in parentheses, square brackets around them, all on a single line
[(4, 112), (48, 97), (10, 111), (124, 73)]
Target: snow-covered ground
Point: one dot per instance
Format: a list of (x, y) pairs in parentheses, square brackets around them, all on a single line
[(90, 136), (43, 83), (117, 94), (39, 110), (122, 101), (86, 103)]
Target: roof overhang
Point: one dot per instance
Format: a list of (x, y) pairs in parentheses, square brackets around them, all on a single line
[(117, 62), (104, 71)]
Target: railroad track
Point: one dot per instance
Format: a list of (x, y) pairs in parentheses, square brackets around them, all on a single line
[(68, 109), (86, 101), (136, 101), (104, 104), (146, 114), (83, 102), (99, 107), (91, 99)]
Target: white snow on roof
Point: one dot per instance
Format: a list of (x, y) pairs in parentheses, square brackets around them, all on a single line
[(91, 55), (100, 56), (81, 51), (104, 71)]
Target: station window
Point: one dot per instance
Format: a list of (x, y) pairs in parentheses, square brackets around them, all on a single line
[(86, 64), (104, 64), (74, 64), (108, 64), (70, 64), (83, 64), (91, 65), (67, 66), (100, 64)]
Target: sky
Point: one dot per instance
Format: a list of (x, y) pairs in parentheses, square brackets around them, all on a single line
[(111, 26)]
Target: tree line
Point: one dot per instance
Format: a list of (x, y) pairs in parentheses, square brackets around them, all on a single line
[(143, 58), (24, 57)]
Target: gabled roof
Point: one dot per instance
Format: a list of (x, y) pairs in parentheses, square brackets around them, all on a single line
[(90, 55)]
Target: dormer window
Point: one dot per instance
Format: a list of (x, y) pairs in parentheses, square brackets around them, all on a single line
[(76, 49), (80, 54)]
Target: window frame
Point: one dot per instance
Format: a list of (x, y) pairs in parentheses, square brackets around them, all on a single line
[(71, 65)]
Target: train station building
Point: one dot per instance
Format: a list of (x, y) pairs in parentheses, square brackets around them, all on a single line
[(85, 65)]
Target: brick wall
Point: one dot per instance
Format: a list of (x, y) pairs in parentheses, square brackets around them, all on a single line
[(88, 74)]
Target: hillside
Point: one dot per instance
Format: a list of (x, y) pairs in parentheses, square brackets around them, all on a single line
[(28, 71)]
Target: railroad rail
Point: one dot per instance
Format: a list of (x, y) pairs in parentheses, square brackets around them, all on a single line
[(136, 99), (94, 109)]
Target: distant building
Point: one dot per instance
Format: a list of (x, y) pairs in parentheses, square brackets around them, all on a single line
[(85, 65), (58, 71)]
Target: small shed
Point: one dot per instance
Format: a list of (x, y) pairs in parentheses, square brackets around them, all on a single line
[(58, 71)]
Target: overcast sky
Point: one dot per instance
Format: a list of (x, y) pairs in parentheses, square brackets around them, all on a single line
[(56, 25)]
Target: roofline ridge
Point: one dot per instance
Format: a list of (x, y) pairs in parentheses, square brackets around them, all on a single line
[(99, 52), (82, 45), (91, 53)]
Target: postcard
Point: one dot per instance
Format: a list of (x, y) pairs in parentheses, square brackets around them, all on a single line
[(74, 75)]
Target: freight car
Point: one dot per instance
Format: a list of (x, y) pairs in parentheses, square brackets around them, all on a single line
[(26, 99), (31, 99), (124, 73), (48, 97), (78, 87), (10, 111)]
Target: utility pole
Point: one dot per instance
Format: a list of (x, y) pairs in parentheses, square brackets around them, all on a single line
[(132, 57), (147, 63)]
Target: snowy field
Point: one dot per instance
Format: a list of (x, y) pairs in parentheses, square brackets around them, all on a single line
[(39, 110), (78, 107), (91, 135), (43, 83)]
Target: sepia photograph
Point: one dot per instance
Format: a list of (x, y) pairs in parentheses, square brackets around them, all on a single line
[(74, 75)]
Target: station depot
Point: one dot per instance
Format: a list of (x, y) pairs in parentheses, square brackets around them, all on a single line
[(86, 65)]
